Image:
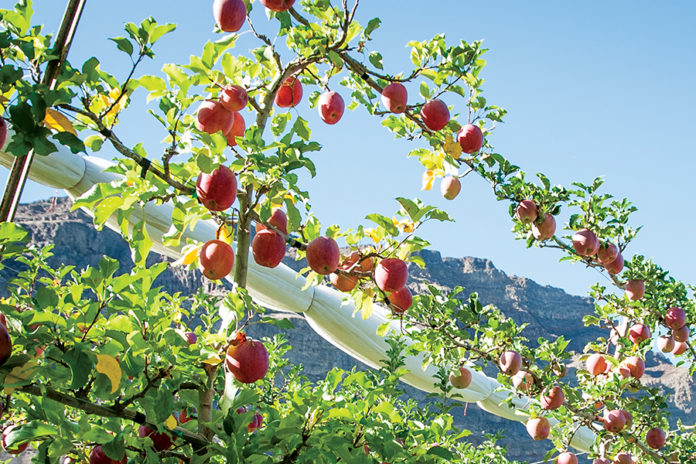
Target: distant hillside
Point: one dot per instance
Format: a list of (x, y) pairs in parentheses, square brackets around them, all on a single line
[(549, 311)]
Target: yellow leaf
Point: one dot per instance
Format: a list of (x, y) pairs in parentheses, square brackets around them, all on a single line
[(58, 121), (372, 233), (452, 147), (366, 308), (428, 179), (213, 360), (19, 375), (226, 234), (108, 366), (171, 422), (189, 254), (404, 225)]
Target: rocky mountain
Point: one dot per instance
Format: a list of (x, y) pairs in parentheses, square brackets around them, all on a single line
[(549, 311)]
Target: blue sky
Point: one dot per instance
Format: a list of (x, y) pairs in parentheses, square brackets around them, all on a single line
[(592, 88)]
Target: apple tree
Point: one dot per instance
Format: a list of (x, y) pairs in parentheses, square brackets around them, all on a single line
[(104, 365)]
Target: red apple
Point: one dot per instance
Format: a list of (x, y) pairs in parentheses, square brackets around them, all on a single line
[(632, 366), (552, 398), (98, 456), (3, 320), (342, 282), (681, 334), (567, 458), (18, 449), (601, 461), (237, 129), (400, 300), (635, 289), (3, 132), (614, 421), (160, 441), (394, 97), (538, 428), (585, 242), (5, 345), (217, 190), (470, 138), (290, 93), (510, 362), (665, 343), (366, 264), (526, 212), (391, 274), (268, 248), (191, 338), (639, 333), (596, 364), (545, 229), (331, 107), (523, 381), (655, 438), (323, 255), (216, 259), (435, 114), (450, 187), (675, 318), (234, 97), (247, 359), (277, 5), (212, 117), (278, 220), (679, 348), (461, 379), (607, 253), (615, 266), (623, 458), (627, 417), (229, 14)]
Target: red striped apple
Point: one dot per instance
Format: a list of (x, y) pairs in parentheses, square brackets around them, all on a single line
[(237, 129), (212, 118), (462, 378), (596, 364), (585, 242), (470, 138), (290, 93), (400, 300), (538, 428), (450, 187), (160, 441), (234, 97), (675, 318), (331, 107), (268, 248), (526, 211), (394, 97), (639, 333), (614, 421), (98, 456), (552, 398), (277, 5), (217, 190), (655, 438), (615, 266), (216, 259), (510, 362), (229, 14), (607, 253), (435, 114), (567, 458), (278, 219), (323, 255), (247, 359), (635, 289), (391, 274), (545, 229)]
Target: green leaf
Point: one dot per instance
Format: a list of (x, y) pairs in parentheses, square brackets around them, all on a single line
[(46, 298), (123, 44), (115, 449), (71, 141), (372, 25), (140, 244), (376, 59), (80, 366), (301, 128)]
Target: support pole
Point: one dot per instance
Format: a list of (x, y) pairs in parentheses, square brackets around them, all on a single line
[(21, 165)]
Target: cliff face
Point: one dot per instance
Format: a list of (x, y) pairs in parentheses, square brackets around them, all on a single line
[(549, 311)]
